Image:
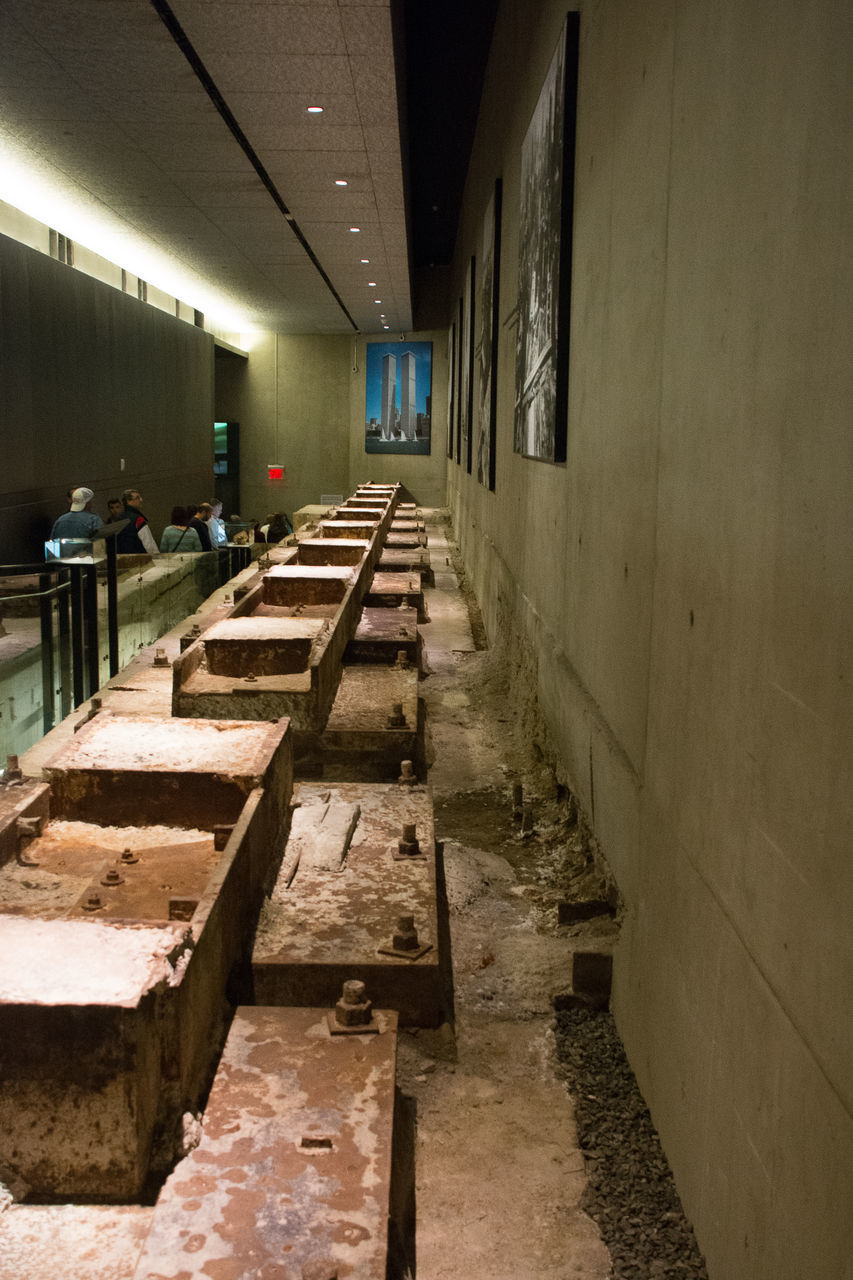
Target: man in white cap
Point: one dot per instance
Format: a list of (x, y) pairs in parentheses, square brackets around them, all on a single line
[(80, 521)]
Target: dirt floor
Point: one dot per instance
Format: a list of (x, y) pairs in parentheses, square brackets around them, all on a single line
[(499, 1174)]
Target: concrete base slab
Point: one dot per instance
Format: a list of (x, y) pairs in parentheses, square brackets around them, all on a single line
[(294, 1165), (359, 743), (322, 926), (390, 590), (382, 635), (406, 560)]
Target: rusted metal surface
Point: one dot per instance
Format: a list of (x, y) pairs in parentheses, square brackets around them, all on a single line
[(145, 769), (390, 590), (293, 584), (406, 560), (383, 634), (74, 1241), (358, 742), (322, 925), (293, 1171), (260, 645), (331, 551), (348, 528)]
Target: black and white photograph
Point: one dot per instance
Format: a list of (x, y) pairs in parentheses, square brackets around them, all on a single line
[(485, 351), (451, 388), (466, 370), (542, 353)]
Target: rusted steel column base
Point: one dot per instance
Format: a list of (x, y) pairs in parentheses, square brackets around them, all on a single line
[(293, 1172)]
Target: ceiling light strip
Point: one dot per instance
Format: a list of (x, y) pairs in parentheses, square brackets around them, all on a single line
[(182, 40)]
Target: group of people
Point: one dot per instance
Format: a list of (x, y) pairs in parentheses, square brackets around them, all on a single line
[(194, 527)]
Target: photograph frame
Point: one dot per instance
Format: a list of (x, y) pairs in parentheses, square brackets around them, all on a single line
[(486, 347), (398, 397), (540, 427)]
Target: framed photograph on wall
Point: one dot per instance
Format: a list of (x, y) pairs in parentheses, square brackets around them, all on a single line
[(545, 259), (458, 381), (451, 388), (466, 366), (486, 346), (398, 397)]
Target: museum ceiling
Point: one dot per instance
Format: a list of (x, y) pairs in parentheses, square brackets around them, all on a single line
[(184, 127)]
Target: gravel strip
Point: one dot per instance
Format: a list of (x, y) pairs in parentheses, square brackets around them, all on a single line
[(630, 1191)]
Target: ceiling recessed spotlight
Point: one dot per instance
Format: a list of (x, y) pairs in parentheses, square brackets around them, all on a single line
[(366, 261), (341, 182), (378, 301), (371, 284), (386, 326), (314, 111), (355, 228)]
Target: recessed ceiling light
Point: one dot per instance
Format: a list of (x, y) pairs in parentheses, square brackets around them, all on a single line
[(371, 284), (386, 326), (341, 182), (355, 228), (378, 301), (366, 261), (314, 111)]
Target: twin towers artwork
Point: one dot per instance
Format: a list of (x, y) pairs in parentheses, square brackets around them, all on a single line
[(398, 397)]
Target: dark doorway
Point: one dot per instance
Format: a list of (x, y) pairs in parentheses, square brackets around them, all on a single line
[(226, 465)]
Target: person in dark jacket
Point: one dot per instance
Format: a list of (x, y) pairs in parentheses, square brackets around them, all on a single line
[(137, 538), (199, 526)]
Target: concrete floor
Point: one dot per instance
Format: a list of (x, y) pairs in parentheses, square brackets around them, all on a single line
[(498, 1173)]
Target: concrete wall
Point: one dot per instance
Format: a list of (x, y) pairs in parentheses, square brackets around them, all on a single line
[(90, 376), (300, 402), (677, 596)]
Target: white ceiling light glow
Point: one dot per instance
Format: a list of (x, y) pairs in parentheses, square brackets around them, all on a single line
[(47, 194)]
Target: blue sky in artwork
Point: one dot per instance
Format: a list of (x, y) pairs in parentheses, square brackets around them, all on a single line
[(422, 352)]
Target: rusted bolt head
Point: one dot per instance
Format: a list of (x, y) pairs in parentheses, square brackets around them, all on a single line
[(160, 658), (13, 770), (112, 878), (406, 935), (353, 1009), (396, 720), (250, 677), (407, 776), (408, 843), (93, 903), (128, 856)]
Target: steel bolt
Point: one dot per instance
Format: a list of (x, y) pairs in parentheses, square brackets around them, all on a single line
[(250, 677), (128, 856), (112, 878), (408, 844), (397, 719), (160, 658), (353, 1009), (406, 935), (407, 776), (93, 903), (13, 770)]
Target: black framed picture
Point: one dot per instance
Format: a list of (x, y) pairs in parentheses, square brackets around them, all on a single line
[(466, 368), (545, 259), (451, 387), (486, 347)]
